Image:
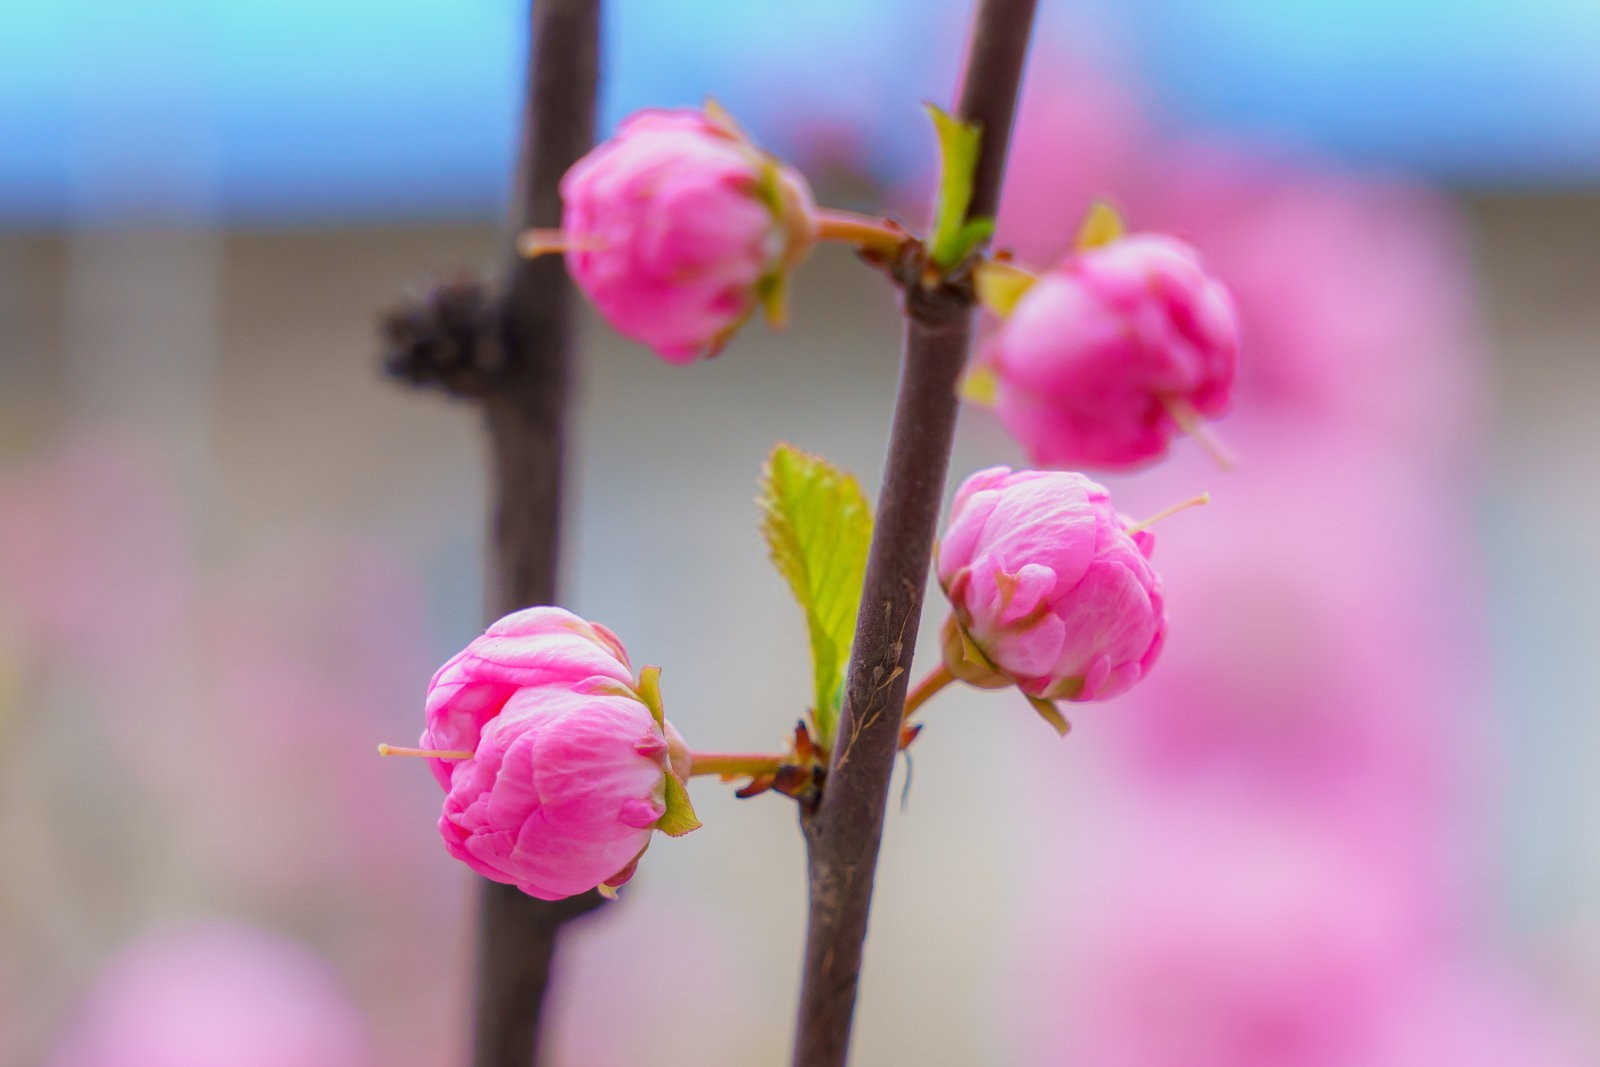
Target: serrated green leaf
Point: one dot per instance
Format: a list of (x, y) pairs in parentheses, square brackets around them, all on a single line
[(954, 236), (818, 526)]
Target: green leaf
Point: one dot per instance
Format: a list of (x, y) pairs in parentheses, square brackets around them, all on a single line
[(818, 525), (954, 235), (679, 817)]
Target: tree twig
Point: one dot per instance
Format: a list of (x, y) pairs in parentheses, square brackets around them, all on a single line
[(844, 829), (526, 421), (510, 349)]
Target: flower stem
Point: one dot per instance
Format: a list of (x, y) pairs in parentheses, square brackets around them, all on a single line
[(733, 763), (532, 244), (1191, 423), (861, 230), (1193, 502), (425, 753), (936, 680)]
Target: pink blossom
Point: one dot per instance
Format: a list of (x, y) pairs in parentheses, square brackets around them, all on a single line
[(1048, 587), (1354, 292), (1309, 655), (1214, 931), (677, 227), (528, 649), (214, 994), (1104, 357), (572, 765)]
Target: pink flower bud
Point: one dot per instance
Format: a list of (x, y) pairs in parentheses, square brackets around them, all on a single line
[(1109, 355), (1048, 589), (572, 768), (677, 227)]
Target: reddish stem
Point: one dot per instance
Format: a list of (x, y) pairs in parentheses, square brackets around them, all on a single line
[(733, 763), (936, 680), (861, 230)]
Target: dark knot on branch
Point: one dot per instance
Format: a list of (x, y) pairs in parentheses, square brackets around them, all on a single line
[(933, 297), (450, 338)]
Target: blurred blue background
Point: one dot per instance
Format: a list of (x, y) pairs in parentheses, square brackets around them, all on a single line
[(296, 109)]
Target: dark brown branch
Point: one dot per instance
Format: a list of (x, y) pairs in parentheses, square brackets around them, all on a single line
[(844, 830), (510, 349), (526, 421)]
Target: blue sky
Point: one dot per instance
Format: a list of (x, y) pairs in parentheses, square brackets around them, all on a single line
[(319, 110)]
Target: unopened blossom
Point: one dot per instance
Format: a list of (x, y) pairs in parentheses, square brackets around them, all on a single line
[(1048, 589), (1108, 356), (678, 227), (1355, 295), (1289, 672), (569, 765)]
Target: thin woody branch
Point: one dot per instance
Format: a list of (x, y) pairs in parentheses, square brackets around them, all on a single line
[(526, 422), (509, 348), (844, 829)]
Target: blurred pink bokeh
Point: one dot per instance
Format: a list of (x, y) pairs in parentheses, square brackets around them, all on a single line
[(203, 996), (1308, 762)]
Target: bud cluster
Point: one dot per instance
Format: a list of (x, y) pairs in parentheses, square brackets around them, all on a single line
[(556, 760)]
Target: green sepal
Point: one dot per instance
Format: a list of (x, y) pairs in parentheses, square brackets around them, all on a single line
[(1101, 225), (649, 693), (1050, 714), (719, 117), (954, 235), (679, 817), (1001, 285), (980, 386), (818, 526), (972, 235), (767, 189), (773, 293)]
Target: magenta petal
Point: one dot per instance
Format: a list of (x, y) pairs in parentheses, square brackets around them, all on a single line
[(1091, 357), (1057, 595)]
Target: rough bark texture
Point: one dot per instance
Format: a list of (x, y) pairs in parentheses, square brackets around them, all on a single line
[(844, 830)]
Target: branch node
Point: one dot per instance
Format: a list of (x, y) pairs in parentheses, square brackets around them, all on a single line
[(449, 338)]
